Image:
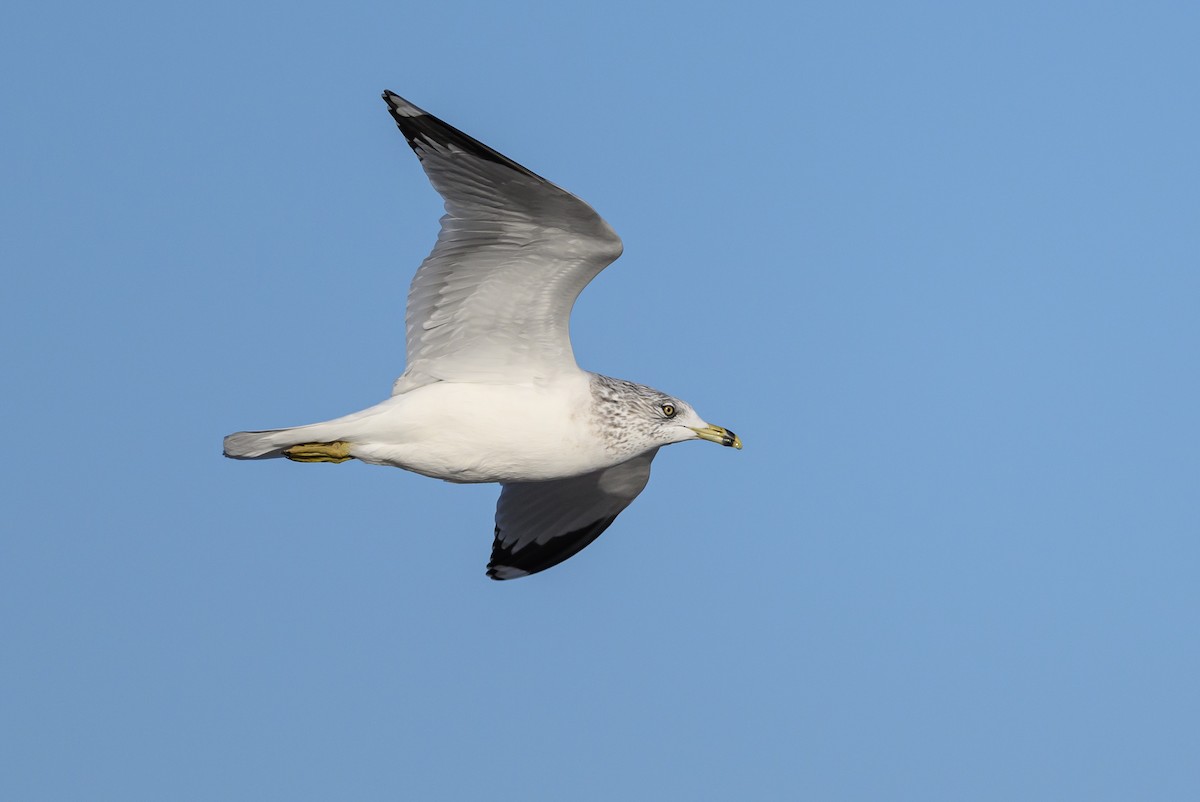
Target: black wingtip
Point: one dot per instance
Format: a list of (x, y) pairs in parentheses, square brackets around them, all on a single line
[(419, 126), (401, 108), (535, 557)]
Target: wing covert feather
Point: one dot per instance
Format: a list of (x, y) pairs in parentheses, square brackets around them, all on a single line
[(492, 301)]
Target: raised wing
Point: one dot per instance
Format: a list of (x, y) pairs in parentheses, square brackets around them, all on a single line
[(492, 301), (540, 524)]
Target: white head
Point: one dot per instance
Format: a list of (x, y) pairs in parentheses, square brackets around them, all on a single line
[(640, 417)]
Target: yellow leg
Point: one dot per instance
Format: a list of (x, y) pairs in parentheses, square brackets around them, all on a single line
[(338, 451)]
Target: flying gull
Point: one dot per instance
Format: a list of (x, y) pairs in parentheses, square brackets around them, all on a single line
[(491, 391)]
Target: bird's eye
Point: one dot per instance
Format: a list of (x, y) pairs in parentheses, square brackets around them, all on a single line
[(668, 410)]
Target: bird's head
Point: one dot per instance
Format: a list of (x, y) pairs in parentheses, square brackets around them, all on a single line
[(655, 418), (676, 421)]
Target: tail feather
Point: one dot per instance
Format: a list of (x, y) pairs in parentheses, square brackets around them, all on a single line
[(272, 443), (260, 445)]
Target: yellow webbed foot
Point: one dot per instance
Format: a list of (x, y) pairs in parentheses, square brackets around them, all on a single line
[(337, 451)]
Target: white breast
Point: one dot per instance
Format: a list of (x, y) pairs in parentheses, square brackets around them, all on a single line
[(483, 432)]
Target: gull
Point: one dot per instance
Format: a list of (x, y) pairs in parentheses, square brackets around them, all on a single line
[(491, 391)]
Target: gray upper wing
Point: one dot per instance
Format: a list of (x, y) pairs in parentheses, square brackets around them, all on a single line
[(492, 301)]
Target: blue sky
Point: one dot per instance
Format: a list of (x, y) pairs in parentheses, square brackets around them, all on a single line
[(936, 263)]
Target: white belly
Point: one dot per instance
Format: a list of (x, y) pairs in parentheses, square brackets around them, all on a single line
[(482, 433)]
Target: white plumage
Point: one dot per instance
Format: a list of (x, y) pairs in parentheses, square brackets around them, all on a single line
[(491, 391)]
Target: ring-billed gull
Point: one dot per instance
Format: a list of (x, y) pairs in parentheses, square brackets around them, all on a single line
[(491, 391)]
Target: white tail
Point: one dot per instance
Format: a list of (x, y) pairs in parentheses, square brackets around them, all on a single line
[(261, 445), (273, 442)]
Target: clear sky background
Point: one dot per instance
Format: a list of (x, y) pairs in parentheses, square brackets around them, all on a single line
[(938, 264)]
